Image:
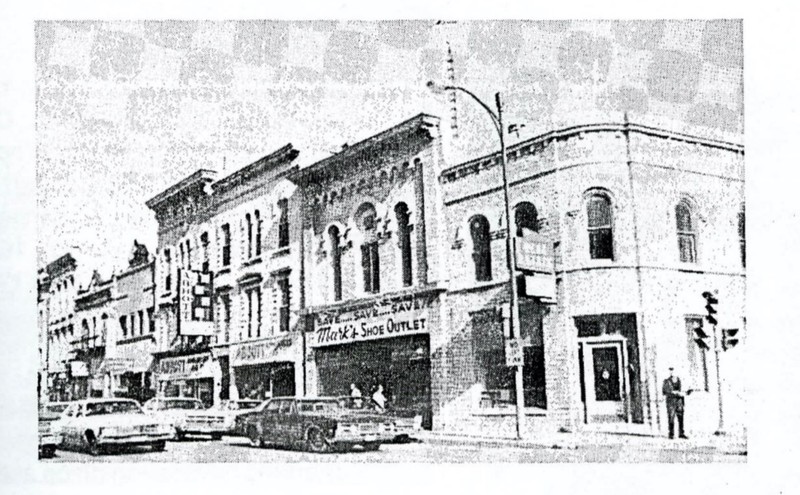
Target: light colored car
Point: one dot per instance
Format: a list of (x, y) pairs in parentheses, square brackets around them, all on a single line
[(173, 411), (95, 425), (49, 435), (218, 420)]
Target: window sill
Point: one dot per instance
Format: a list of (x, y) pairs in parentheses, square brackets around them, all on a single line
[(252, 261), (223, 271), (281, 252)]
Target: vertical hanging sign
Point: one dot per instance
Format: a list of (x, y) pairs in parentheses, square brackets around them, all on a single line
[(195, 311)]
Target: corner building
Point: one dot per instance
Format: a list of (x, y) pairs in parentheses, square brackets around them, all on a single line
[(239, 236), (636, 223), (373, 266)]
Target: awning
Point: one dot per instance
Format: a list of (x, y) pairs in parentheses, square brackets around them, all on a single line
[(119, 365), (283, 349), (188, 367)]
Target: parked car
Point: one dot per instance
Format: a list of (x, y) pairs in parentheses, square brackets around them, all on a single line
[(173, 411), (49, 434), (95, 425), (407, 421), (318, 425), (217, 420)]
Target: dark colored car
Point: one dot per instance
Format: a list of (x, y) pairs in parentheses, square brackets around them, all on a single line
[(317, 425)]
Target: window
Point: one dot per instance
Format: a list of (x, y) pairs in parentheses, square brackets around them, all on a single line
[(686, 232), (336, 262), (526, 219), (404, 239), (253, 312), (257, 217), (204, 243), (698, 358), (151, 319), (283, 223), (249, 232), (141, 322), (168, 263), (133, 324), (370, 265), (481, 248), (226, 245), (226, 316), (183, 255), (599, 222), (188, 254), (742, 245), (285, 300)]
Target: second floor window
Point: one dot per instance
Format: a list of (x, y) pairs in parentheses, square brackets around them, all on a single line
[(371, 267), (336, 262), (601, 239), (526, 219), (481, 248), (151, 320), (204, 243), (283, 223), (123, 325), (226, 245), (253, 312), (686, 233), (168, 264), (285, 303), (404, 240), (257, 221), (742, 245), (248, 225)]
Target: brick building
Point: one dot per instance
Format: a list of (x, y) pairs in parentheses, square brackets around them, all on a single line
[(240, 235), (640, 222)]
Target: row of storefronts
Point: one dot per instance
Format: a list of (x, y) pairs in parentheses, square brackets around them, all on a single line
[(380, 266)]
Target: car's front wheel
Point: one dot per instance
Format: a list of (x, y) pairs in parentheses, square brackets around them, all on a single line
[(371, 446), (255, 437), (316, 441), (179, 435), (92, 446)]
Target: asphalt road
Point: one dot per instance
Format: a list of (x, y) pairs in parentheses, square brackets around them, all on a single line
[(231, 449)]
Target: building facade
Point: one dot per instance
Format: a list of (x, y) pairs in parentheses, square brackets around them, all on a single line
[(637, 222), (236, 238), (373, 266), (94, 305)]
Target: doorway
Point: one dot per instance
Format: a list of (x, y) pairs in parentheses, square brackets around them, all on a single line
[(604, 379)]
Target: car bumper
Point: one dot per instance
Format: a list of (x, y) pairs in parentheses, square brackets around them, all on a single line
[(134, 439), (363, 437), (206, 428)]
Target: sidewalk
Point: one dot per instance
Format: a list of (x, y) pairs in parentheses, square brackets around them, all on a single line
[(728, 444)]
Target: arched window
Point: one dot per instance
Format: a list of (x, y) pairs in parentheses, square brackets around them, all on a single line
[(526, 219), (481, 248), (686, 232), (365, 219), (336, 262), (742, 245), (226, 244), (283, 223), (257, 218), (404, 239), (601, 239), (248, 225)]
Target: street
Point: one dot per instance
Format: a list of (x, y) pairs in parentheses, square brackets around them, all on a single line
[(232, 449)]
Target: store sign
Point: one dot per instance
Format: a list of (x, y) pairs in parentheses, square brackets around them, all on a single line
[(534, 253), (78, 368), (263, 352), (116, 365), (385, 320), (195, 312), (184, 367), (514, 353)]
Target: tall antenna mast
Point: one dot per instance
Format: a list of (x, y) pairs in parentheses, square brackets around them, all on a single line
[(451, 78)]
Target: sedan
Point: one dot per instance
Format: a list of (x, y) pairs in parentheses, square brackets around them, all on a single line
[(95, 425), (318, 425), (173, 411), (216, 421)]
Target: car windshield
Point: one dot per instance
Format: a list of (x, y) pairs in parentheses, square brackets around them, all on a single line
[(358, 403), (181, 404), (115, 407), (237, 406)]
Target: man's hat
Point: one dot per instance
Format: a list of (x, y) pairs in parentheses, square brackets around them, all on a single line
[(671, 368)]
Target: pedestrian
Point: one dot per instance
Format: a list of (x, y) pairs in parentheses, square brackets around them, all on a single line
[(675, 403), (379, 398), (355, 394)]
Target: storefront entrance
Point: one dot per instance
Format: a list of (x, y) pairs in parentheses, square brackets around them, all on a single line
[(608, 362), (604, 380), (401, 365)]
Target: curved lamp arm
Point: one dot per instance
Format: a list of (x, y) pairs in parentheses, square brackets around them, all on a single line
[(495, 119)]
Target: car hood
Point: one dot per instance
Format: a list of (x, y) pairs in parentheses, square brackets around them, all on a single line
[(119, 420)]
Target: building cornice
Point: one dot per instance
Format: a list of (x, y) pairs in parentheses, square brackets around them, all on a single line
[(268, 163), (200, 177)]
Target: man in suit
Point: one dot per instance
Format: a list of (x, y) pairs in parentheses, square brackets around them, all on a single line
[(674, 395)]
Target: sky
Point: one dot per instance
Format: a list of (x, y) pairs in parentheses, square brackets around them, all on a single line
[(126, 109)]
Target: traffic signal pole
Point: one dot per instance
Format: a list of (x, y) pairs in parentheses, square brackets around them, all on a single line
[(717, 344)]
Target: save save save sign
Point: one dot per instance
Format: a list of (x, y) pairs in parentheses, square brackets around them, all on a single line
[(390, 319)]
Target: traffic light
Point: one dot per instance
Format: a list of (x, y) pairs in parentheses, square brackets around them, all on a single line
[(711, 309), (701, 338), (729, 338)]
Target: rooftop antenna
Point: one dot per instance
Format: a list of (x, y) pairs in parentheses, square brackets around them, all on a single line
[(451, 78)]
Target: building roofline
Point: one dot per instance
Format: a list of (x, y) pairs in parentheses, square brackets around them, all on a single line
[(280, 156), (602, 127), (421, 120), (200, 176)]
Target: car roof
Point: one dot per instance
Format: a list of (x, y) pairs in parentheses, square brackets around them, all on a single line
[(103, 400)]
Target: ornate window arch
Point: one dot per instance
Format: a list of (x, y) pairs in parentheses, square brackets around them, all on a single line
[(526, 218), (365, 219)]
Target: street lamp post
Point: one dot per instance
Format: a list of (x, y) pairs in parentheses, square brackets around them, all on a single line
[(511, 261)]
